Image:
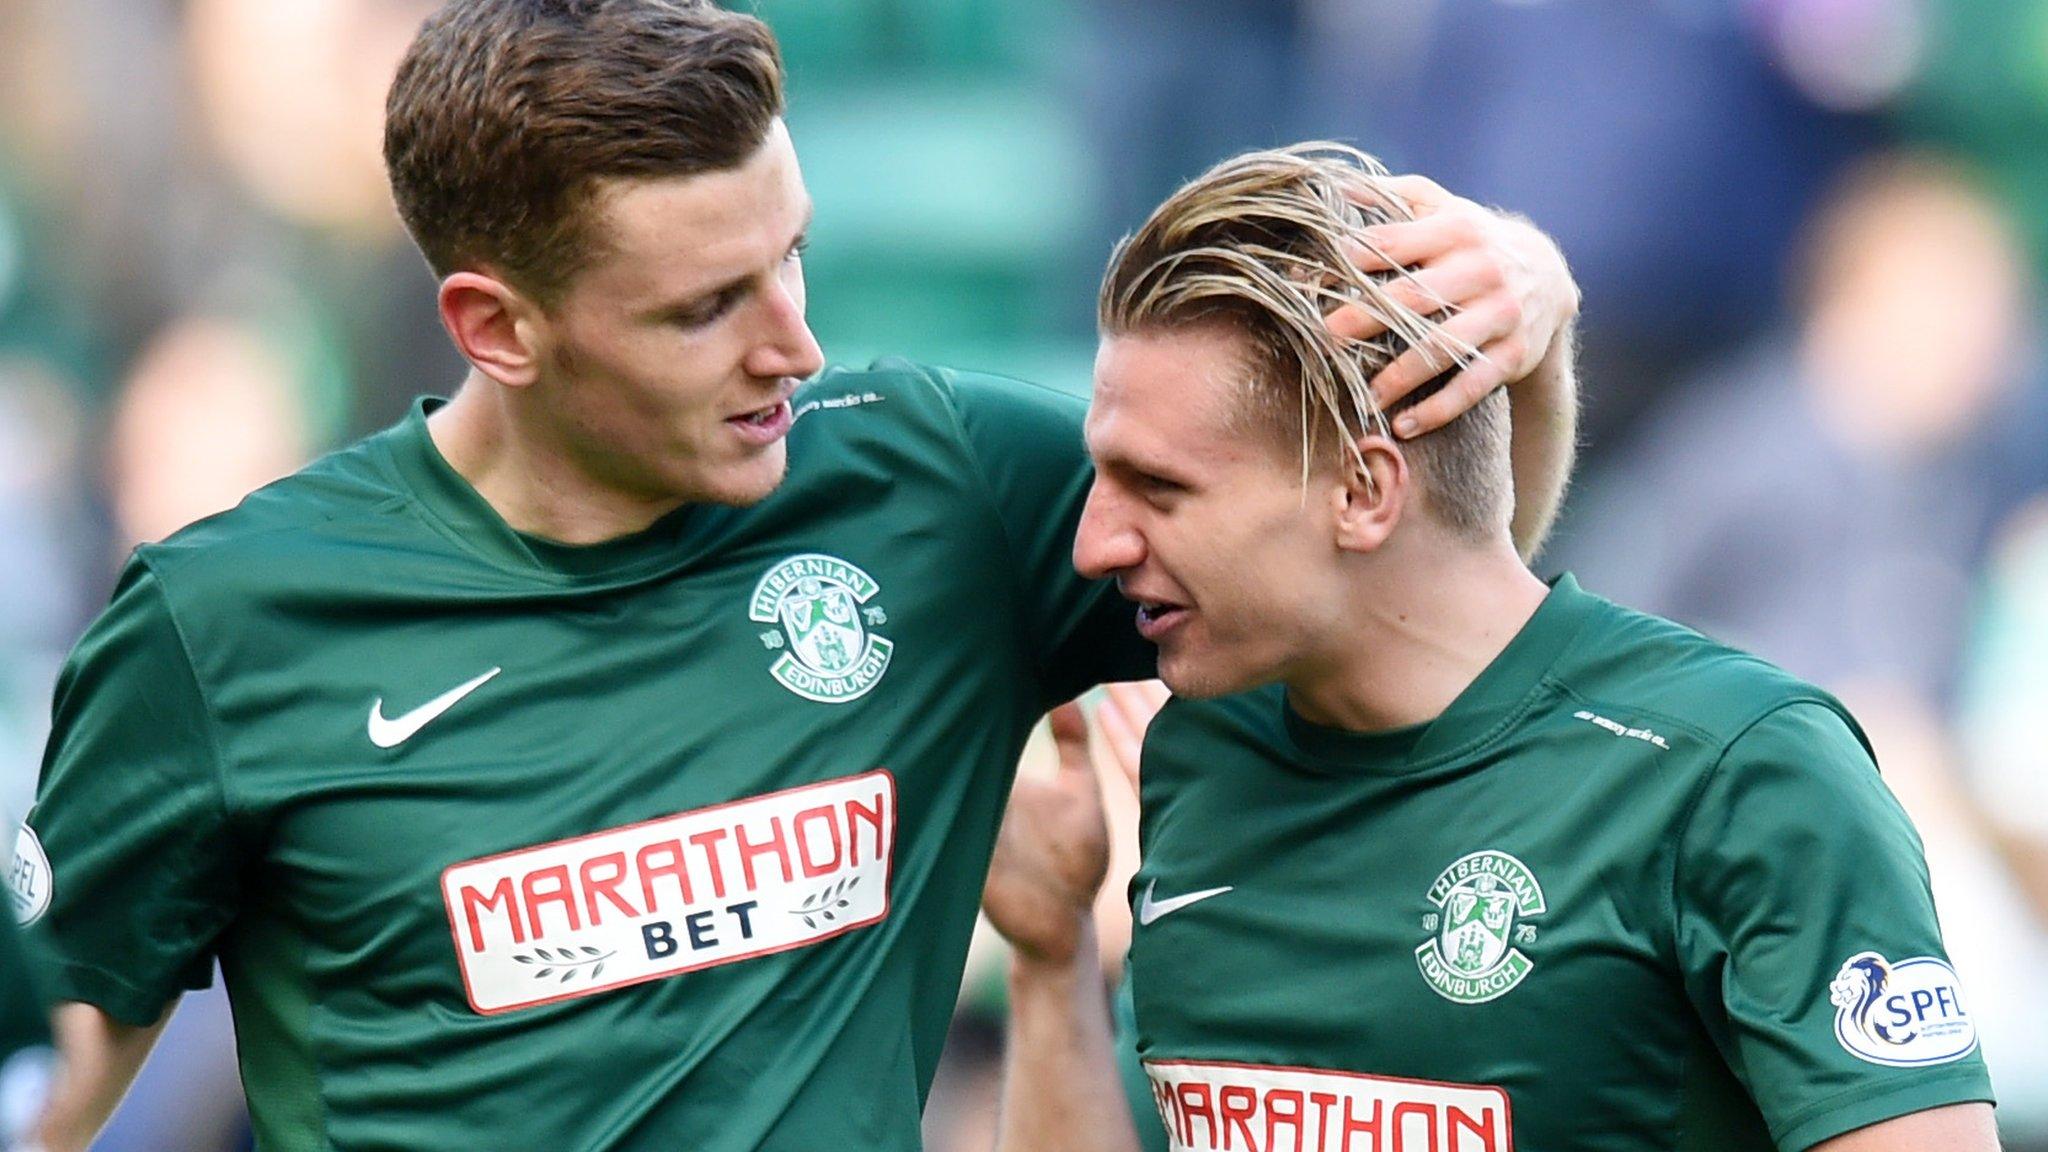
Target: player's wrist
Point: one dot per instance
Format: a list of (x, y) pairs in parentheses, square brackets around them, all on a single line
[(1558, 291), (1549, 297), (1059, 966)]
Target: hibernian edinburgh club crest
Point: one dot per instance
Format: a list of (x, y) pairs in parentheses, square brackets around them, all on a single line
[(820, 604), (1481, 903)]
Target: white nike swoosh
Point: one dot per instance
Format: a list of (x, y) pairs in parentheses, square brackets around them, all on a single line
[(397, 730), (1150, 909)]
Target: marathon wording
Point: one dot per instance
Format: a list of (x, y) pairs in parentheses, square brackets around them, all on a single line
[(1213, 1107), (667, 896)]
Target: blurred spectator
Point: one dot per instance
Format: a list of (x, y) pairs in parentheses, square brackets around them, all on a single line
[(226, 154), (43, 566), (1982, 92), (1825, 498), (50, 569), (210, 413), (290, 98), (1613, 123), (44, 315), (952, 179), (1172, 86), (1671, 146)]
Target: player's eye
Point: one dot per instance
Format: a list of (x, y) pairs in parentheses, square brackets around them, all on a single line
[(713, 307), (1158, 488), (797, 250)]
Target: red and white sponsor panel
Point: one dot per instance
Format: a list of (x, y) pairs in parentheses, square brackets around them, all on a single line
[(671, 895), (1220, 1107)]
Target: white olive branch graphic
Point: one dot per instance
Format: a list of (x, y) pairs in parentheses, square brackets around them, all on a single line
[(566, 961), (827, 903)]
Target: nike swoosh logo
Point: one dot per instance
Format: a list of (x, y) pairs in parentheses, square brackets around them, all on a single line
[(397, 730), (1150, 909)]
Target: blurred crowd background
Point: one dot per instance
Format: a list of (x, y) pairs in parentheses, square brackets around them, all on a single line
[(1811, 235)]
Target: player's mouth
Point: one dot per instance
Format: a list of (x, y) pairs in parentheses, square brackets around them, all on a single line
[(1158, 618), (763, 426)]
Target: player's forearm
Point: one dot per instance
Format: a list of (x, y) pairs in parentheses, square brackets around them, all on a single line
[(1544, 411), (98, 1057), (1952, 1128), (1060, 1087)]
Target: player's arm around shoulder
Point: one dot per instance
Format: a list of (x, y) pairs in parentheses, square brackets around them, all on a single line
[(1024, 444), (1019, 436), (1805, 930)]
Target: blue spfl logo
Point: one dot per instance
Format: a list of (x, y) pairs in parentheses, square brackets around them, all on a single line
[(1905, 1015)]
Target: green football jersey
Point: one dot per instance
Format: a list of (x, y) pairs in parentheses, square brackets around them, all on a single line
[(25, 1056), (1633, 891), (24, 1018), (672, 842)]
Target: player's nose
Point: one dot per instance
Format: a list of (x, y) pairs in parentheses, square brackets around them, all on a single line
[(784, 345), (1107, 541)]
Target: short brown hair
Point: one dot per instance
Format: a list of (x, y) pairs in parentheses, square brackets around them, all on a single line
[(1258, 244), (507, 115)]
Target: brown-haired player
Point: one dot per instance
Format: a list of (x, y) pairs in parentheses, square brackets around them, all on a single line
[(608, 757)]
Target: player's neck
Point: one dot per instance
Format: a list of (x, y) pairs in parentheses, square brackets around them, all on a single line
[(1422, 630), (534, 484)]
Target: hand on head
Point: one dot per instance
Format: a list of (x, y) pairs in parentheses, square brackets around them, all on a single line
[(1500, 286)]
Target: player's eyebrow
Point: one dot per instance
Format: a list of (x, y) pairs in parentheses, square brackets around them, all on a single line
[(803, 227), (1123, 461), (736, 284), (1150, 472)]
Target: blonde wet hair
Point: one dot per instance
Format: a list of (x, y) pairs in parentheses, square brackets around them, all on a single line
[(1262, 244)]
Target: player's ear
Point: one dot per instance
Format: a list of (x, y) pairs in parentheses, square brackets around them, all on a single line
[(1374, 488), (495, 326)]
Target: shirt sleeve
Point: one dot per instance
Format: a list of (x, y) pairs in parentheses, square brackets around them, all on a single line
[(1807, 935), (26, 1061), (1026, 444), (24, 1020), (130, 819)]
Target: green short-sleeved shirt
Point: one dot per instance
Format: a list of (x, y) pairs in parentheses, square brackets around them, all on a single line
[(24, 1017), (1632, 891), (670, 842), (25, 1057)]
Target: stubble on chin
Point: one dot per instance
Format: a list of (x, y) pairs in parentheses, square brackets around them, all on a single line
[(764, 479)]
